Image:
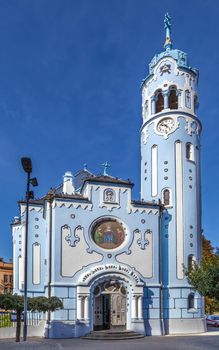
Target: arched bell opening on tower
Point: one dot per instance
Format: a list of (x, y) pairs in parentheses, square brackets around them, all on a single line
[(173, 98), (195, 103), (145, 111), (159, 101), (187, 99)]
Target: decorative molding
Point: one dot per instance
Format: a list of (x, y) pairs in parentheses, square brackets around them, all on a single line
[(132, 209), (76, 205), (191, 126), (145, 135), (166, 68), (116, 268), (72, 239), (110, 206), (115, 204), (143, 242), (165, 61), (31, 208)]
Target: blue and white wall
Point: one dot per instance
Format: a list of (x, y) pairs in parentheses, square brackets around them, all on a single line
[(36, 248), (78, 265)]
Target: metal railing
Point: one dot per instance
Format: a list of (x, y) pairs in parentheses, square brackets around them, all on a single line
[(9, 319)]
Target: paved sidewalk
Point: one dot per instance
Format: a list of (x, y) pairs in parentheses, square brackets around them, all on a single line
[(204, 341)]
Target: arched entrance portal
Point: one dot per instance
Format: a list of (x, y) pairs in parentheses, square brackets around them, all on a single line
[(109, 306)]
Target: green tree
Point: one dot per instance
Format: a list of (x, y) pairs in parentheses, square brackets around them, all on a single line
[(207, 248), (204, 277), (40, 304)]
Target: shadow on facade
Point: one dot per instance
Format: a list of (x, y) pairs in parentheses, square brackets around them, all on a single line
[(148, 303), (166, 219), (65, 329)]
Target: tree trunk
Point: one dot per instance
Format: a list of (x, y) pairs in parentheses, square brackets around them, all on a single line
[(18, 328)]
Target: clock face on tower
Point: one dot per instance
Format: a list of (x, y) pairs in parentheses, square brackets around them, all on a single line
[(165, 126)]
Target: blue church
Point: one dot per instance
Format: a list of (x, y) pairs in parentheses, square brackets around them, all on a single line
[(118, 263)]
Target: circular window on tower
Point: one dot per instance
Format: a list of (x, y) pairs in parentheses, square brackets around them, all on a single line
[(108, 234)]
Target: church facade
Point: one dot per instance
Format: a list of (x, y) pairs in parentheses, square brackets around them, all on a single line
[(118, 263)]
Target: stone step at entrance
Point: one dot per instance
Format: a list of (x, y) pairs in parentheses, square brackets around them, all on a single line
[(113, 335)]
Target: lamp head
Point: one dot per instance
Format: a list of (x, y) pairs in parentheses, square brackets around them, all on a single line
[(34, 182), (27, 164), (31, 195)]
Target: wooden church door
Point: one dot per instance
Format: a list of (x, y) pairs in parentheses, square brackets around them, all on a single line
[(109, 306), (118, 310)]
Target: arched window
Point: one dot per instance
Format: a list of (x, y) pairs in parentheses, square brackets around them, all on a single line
[(166, 196), (173, 98), (159, 101), (146, 108), (190, 152), (191, 301), (109, 195), (195, 103), (191, 262), (187, 99)]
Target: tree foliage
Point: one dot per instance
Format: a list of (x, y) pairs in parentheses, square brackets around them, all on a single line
[(204, 277), (11, 302), (43, 304), (16, 302), (207, 248)]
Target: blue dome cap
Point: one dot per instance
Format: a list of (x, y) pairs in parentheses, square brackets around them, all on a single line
[(179, 56)]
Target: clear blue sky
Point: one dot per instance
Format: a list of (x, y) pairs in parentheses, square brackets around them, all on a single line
[(70, 74)]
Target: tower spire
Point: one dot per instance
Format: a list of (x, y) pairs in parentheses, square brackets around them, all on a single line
[(167, 26)]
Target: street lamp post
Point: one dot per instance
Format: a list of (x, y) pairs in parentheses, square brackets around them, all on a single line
[(27, 166)]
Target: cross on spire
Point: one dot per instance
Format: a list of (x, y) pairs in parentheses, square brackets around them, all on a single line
[(167, 27), (106, 166)]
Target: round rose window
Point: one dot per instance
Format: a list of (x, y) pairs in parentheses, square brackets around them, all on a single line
[(108, 234)]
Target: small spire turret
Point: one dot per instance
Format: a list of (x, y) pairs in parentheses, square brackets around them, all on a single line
[(167, 26)]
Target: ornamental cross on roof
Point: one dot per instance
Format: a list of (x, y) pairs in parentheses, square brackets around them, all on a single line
[(167, 27), (106, 166)]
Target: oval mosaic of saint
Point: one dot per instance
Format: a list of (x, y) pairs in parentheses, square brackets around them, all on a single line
[(108, 234)]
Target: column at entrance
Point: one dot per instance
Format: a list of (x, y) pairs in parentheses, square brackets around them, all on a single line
[(137, 307), (140, 307), (79, 307), (134, 307), (83, 307), (86, 308)]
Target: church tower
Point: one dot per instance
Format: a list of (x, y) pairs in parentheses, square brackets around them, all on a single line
[(170, 172)]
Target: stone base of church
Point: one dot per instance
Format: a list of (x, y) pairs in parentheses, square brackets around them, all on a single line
[(184, 326), (66, 329), (147, 327)]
